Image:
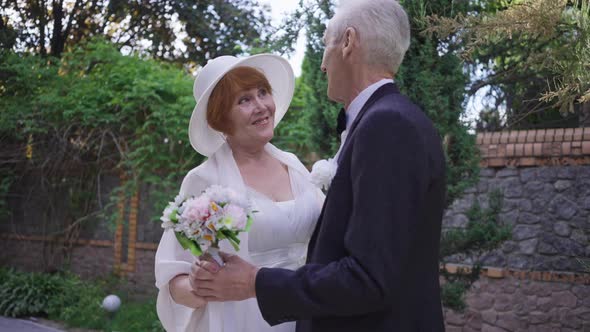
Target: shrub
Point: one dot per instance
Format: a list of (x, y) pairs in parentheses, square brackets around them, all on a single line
[(77, 303)]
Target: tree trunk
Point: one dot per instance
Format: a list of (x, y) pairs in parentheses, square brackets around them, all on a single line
[(42, 24), (585, 115), (57, 40)]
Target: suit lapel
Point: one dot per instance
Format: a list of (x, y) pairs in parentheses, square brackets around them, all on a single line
[(388, 88)]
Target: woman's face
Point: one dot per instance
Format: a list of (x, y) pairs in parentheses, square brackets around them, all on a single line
[(252, 116)]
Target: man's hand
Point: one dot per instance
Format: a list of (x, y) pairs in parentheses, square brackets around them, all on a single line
[(207, 263), (234, 282)]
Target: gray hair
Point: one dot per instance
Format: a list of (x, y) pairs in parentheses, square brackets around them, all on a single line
[(382, 25)]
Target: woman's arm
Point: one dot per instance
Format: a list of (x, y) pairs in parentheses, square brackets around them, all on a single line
[(182, 292)]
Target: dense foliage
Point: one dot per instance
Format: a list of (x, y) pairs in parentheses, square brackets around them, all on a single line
[(95, 111), (77, 303), (532, 59)]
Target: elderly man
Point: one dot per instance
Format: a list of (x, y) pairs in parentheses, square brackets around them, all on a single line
[(373, 259)]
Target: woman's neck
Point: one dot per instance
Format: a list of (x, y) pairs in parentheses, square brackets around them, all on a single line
[(244, 154)]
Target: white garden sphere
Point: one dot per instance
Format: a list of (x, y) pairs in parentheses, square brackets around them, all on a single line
[(111, 303)]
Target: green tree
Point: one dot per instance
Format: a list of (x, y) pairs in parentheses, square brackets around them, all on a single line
[(535, 54), (182, 30), (318, 109), (309, 128), (292, 134), (434, 78)]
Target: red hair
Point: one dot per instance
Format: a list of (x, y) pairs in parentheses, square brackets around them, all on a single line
[(226, 91)]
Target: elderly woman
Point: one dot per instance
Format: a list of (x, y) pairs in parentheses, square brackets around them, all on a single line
[(239, 102)]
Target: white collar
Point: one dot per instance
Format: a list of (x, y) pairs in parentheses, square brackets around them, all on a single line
[(357, 103)]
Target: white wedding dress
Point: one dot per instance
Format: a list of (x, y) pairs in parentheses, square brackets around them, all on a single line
[(278, 238)]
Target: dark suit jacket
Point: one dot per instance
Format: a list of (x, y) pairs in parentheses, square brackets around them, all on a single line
[(373, 258)]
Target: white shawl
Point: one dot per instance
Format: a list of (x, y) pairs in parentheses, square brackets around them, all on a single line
[(171, 260)]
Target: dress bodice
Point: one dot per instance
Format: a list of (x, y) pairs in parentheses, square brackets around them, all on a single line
[(281, 230)]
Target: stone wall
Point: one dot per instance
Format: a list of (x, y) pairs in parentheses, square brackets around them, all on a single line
[(510, 304), (548, 209), (532, 282)]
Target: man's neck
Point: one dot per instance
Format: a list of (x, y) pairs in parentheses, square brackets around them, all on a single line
[(362, 79)]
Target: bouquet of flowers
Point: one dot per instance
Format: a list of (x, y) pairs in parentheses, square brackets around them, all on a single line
[(199, 223)]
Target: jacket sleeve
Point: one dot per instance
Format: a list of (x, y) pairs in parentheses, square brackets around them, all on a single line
[(389, 180)]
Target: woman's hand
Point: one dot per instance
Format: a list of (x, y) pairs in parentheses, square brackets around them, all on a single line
[(182, 292)]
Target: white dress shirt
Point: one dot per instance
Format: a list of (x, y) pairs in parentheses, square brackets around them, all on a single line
[(355, 107)]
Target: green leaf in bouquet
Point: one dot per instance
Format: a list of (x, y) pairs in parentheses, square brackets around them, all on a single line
[(189, 244), (174, 216), (248, 224), (232, 238), (235, 245)]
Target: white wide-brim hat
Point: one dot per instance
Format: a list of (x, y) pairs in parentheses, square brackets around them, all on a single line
[(278, 72)]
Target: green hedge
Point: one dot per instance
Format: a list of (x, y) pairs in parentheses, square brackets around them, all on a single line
[(77, 303)]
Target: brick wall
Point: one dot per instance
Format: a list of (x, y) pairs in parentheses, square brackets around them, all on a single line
[(88, 258), (542, 147), (142, 280)]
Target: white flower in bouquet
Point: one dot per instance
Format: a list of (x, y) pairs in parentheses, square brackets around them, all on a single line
[(234, 217), (171, 211), (239, 200), (218, 193), (168, 211), (322, 173), (179, 199)]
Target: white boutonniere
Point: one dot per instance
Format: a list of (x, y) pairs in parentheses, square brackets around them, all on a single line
[(322, 173)]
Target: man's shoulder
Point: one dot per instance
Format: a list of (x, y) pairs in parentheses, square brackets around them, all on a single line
[(397, 107)]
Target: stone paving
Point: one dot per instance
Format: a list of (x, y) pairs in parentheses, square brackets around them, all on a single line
[(20, 325)]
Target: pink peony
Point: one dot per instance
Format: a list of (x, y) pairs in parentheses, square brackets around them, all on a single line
[(196, 208)]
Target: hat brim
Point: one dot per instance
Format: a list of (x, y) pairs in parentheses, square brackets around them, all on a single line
[(206, 140)]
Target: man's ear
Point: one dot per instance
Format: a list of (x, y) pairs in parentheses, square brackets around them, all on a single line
[(349, 41)]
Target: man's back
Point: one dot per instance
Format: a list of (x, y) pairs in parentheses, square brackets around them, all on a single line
[(407, 179)]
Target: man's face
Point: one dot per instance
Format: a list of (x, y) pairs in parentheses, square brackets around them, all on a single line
[(334, 67)]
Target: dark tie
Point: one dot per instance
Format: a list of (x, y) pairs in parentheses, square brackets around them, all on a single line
[(341, 125)]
